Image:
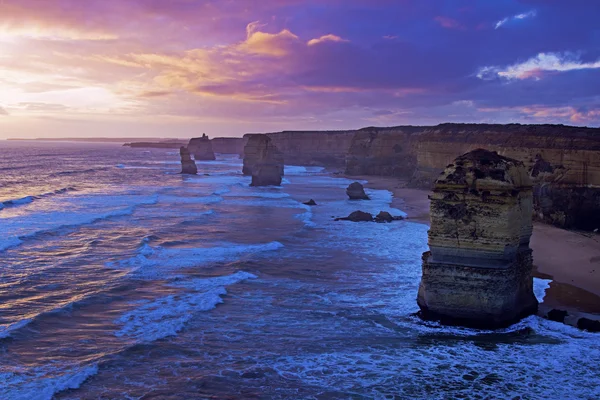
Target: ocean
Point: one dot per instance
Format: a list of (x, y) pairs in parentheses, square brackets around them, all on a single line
[(122, 279)]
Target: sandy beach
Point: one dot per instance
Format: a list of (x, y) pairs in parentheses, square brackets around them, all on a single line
[(571, 259)]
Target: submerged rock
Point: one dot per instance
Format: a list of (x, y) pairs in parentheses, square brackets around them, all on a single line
[(311, 202), (478, 270), (263, 161), (356, 191), (202, 148), (357, 216), (188, 166)]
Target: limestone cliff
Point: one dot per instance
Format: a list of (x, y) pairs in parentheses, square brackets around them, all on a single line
[(323, 148), (228, 145), (563, 161), (201, 148), (478, 269)]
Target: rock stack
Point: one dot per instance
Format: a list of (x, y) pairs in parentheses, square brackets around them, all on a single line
[(188, 166), (478, 270), (202, 148), (263, 161)]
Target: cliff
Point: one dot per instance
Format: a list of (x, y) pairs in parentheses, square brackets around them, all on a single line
[(323, 148), (562, 161), (478, 269), (228, 145)]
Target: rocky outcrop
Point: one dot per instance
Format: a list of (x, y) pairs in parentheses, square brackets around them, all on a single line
[(201, 148), (228, 145), (563, 161), (478, 270), (357, 216), (263, 161), (188, 166), (356, 191)]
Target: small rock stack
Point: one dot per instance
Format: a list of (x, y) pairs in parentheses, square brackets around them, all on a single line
[(478, 270), (202, 148), (356, 191), (188, 166), (263, 161)]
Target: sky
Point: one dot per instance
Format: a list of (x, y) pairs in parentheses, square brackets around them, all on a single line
[(178, 68)]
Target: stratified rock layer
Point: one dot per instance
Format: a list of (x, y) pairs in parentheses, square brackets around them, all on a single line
[(478, 270), (202, 148), (228, 145), (188, 166), (263, 161)]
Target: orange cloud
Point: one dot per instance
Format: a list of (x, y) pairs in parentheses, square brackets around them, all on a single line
[(326, 38)]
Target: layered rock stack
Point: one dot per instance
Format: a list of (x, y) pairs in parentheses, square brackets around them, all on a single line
[(188, 166), (263, 161), (478, 270), (202, 148)]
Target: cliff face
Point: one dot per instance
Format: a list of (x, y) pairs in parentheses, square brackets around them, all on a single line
[(201, 148), (563, 162), (478, 271), (376, 151), (227, 145), (313, 148)]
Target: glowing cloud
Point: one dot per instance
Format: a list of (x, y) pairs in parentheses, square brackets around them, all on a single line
[(326, 38), (536, 66)]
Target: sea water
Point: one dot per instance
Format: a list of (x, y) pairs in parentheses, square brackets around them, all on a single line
[(122, 279)]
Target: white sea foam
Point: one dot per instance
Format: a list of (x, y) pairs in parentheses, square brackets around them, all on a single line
[(290, 170), (539, 288), (75, 211), (157, 261), (43, 383), (168, 315)]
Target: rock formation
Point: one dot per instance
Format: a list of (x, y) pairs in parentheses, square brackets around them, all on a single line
[(311, 202), (356, 191), (563, 161), (357, 216), (322, 148), (478, 269), (188, 166), (201, 148), (228, 145), (263, 161)]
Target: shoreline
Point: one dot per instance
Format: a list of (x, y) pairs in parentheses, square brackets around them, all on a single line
[(570, 259)]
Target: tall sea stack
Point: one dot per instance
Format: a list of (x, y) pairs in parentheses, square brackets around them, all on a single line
[(188, 166), (201, 148), (478, 270), (263, 161)]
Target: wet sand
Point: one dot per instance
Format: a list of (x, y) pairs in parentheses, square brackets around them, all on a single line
[(571, 259)]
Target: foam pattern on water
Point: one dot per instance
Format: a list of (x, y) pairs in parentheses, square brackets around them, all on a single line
[(168, 315)]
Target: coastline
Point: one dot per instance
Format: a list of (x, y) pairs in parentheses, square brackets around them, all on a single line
[(569, 258)]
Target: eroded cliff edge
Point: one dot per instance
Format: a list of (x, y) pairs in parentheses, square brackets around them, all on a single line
[(562, 161)]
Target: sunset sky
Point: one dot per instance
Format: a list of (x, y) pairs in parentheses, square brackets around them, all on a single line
[(177, 68)]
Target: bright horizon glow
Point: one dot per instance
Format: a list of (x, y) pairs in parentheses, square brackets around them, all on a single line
[(108, 68)]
